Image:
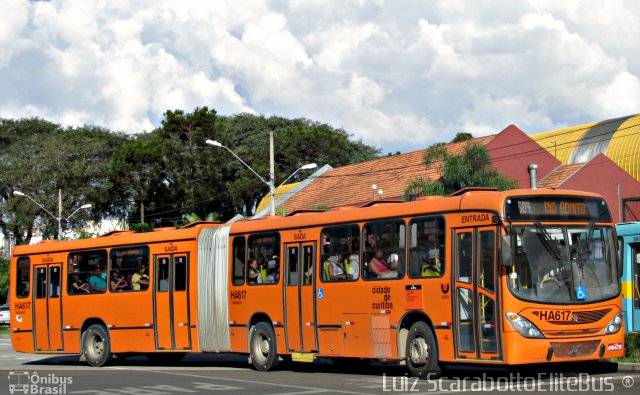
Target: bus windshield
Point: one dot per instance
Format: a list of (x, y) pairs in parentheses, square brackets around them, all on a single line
[(564, 264)]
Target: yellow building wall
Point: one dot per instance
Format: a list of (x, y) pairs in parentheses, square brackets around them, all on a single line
[(623, 149)]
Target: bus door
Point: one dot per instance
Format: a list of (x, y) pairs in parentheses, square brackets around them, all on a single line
[(635, 284), (47, 308), (476, 316), (299, 298), (171, 302)]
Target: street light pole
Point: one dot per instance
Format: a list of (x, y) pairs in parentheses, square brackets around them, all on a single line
[(305, 167), (59, 217), (271, 182), (272, 189), (272, 177)]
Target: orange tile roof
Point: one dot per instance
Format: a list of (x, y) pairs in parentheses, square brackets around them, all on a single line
[(351, 184), (557, 177)]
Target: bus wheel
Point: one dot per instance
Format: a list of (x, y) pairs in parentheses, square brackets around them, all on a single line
[(263, 348), (96, 346), (422, 352)]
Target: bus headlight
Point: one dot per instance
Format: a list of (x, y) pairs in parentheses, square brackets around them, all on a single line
[(524, 326), (614, 325)]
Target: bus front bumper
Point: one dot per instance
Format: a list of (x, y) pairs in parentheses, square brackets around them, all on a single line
[(520, 350)]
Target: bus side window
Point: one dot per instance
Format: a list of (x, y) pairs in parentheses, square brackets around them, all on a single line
[(162, 275), (426, 247), (88, 271), (239, 258), (54, 282), (265, 248), (340, 254), (487, 260), (384, 249), (23, 278), (180, 274), (41, 283), (464, 255), (130, 266)]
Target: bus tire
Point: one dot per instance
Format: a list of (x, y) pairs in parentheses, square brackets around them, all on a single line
[(96, 345), (263, 347), (422, 352)]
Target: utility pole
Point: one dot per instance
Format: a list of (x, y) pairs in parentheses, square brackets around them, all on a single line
[(272, 188), (59, 214)]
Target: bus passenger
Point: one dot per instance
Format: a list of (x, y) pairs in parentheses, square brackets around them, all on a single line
[(262, 265), (140, 280), (253, 275), (117, 263), (353, 269), (392, 265), (336, 268), (118, 283), (431, 268), (273, 274), (377, 266), (98, 280), (77, 285)]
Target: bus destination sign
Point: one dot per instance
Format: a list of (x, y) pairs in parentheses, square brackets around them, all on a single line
[(556, 208)]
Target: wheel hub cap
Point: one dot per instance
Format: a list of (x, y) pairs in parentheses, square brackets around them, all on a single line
[(419, 351), (264, 346)]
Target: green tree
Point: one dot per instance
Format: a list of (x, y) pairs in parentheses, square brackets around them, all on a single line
[(170, 171), (74, 160), (4, 276), (156, 177), (421, 187), (297, 142), (193, 217), (472, 168), (462, 136), (183, 176)]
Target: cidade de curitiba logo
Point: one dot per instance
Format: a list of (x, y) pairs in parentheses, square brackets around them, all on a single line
[(33, 383)]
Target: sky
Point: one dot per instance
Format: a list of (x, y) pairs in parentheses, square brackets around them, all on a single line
[(400, 75)]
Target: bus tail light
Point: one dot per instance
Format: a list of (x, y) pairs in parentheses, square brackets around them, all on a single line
[(614, 325), (524, 326)]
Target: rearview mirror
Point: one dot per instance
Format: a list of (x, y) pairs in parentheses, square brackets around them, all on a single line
[(505, 247)]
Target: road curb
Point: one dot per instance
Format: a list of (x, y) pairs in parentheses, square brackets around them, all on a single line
[(628, 367)]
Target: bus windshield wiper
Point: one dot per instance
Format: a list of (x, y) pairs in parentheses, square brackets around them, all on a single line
[(551, 247), (584, 246)]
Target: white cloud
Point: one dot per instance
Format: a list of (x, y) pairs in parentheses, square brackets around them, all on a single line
[(12, 28), (621, 96), (398, 77), (489, 111)]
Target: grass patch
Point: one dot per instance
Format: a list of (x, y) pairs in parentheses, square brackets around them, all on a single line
[(4, 329), (631, 348)]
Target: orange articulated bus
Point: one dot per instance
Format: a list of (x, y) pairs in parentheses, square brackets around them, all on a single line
[(515, 277)]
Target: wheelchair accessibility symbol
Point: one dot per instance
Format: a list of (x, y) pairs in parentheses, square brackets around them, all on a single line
[(320, 293), (581, 292)]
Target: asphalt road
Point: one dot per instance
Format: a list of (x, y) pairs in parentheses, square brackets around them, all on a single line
[(207, 373)]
